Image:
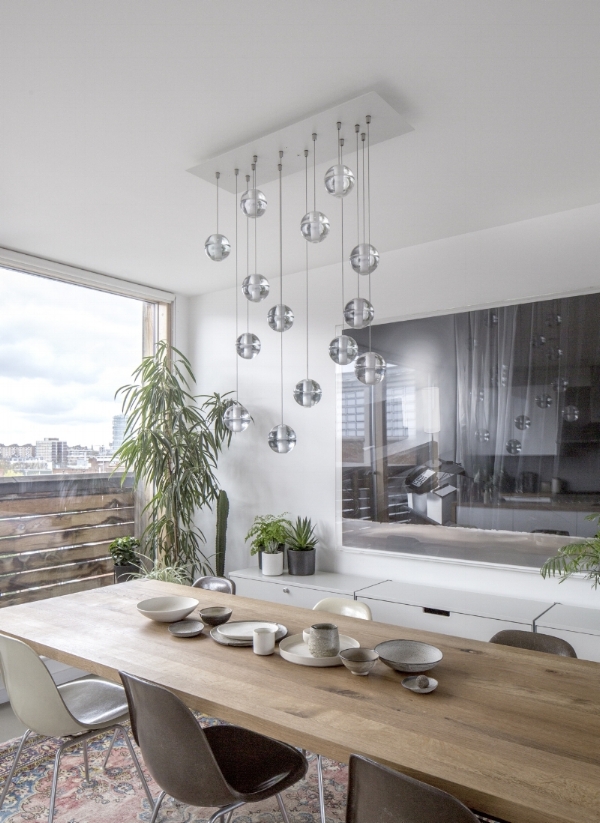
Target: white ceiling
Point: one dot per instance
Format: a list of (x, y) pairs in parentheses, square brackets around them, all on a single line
[(104, 105)]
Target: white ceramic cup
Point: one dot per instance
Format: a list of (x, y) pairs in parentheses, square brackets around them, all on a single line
[(263, 641)]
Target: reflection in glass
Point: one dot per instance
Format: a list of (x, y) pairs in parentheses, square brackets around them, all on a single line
[(522, 422)]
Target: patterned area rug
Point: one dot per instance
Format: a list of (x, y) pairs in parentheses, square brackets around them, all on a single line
[(116, 796)]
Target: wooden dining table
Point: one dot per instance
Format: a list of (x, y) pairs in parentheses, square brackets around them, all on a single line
[(512, 733)]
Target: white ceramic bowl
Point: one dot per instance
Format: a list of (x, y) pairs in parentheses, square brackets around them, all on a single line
[(168, 609)]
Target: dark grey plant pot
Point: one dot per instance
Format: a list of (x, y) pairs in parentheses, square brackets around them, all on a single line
[(126, 572), (260, 554), (301, 563)]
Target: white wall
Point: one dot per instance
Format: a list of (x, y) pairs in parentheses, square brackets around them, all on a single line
[(556, 254)]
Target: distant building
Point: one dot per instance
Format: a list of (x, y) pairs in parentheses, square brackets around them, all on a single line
[(118, 430), (16, 452), (53, 451)]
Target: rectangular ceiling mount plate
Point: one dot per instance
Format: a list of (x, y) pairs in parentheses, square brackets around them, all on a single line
[(386, 123)]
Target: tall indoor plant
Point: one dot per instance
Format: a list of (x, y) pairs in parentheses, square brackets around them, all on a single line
[(577, 558), (172, 444)]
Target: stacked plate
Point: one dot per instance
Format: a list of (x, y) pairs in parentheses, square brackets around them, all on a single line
[(239, 632)]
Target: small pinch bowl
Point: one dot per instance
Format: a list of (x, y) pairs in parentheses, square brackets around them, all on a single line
[(168, 609), (215, 615), (359, 661)]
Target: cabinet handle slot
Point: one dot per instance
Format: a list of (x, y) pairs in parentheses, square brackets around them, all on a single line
[(441, 612)]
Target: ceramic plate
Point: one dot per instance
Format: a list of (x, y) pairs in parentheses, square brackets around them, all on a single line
[(187, 628), (411, 683), (294, 650), (226, 641), (242, 629)]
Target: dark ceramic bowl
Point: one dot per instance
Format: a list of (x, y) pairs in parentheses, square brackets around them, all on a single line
[(215, 615)]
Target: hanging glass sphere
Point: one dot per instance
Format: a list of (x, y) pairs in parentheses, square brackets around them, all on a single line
[(555, 353), (364, 258), (339, 180), (370, 368), (307, 393), (217, 247), (343, 350), (282, 438), (570, 414), (513, 447), (247, 345), (560, 384), (543, 401), (358, 312), (236, 417), (537, 341), (280, 318), (482, 436), (314, 226), (522, 422), (255, 287), (253, 203)]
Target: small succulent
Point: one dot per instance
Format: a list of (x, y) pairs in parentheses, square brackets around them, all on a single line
[(301, 536), (272, 547)]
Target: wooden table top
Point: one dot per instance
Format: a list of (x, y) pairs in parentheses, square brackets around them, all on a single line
[(512, 733)]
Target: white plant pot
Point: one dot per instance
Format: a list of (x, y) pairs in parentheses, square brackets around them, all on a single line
[(272, 564)]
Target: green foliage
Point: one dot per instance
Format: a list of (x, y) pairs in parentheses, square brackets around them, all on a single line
[(221, 537), (167, 574), (576, 557), (268, 527), (172, 444), (301, 536), (272, 547), (123, 551)]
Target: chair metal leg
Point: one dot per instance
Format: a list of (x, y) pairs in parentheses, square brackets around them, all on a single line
[(14, 767), (321, 787), (61, 748), (110, 748), (86, 762), (224, 810), (136, 762), (282, 809), (159, 800)]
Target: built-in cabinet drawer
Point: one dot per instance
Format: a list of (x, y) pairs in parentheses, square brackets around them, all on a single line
[(577, 625), (288, 594)]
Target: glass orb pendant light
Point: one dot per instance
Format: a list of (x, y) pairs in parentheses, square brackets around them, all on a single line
[(364, 258), (282, 438), (236, 417), (247, 346), (314, 225), (339, 179), (370, 368), (255, 287), (217, 246), (358, 313), (343, 350), (280, 317), (253, 203)]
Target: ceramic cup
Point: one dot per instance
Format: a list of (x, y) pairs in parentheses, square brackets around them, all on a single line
[(263, 641), (324, 640)]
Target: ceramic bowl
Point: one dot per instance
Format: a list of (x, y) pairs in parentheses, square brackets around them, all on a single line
[(215, 615), (408, 655), (359, 661), (167, 609)]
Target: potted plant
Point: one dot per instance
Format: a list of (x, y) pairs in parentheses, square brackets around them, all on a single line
[(576, 558), (265, 529), (272, 561), (301, 542), (123, 551)]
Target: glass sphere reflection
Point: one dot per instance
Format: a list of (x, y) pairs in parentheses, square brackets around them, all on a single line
[(253, 203), (255, 287), (543, 401), (358, 313), (247, 345), (280, 318), (314, 226), (537, 341), (555, 354), (570, 414), (236, 417), (217, 247), (364, 258), (560, 384), (514, 447), (522, 422), (370, 368), (307, 393), (339, 180), (482, 436), (343, 350), (282, 438)]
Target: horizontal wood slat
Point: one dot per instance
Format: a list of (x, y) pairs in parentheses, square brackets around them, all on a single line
[(68, 537), (56, 574), (14, 506), (29, 595), (18, 526), (27, 561)]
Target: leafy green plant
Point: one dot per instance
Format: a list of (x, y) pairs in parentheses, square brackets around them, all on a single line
[(272, 547), (581, 557), (301, 535), (266, 528), (167, 574), (221, 535), (124, 551), (172, 444)]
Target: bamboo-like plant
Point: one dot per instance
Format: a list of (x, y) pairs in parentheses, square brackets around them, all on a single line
[(581, 557), (172, 444)]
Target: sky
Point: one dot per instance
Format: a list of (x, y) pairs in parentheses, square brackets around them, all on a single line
[(64, 351)]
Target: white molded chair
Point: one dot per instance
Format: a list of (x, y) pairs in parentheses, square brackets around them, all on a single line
[(76, 711), (344, 606)]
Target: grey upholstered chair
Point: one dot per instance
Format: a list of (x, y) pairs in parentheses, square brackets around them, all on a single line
[(377, 794), (215, 584), (223, 766), (76, 711), (534, 642)]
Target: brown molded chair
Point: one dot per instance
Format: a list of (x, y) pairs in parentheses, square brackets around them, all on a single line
[(215, 584), (377, 794), (224, 766), (534, 642)]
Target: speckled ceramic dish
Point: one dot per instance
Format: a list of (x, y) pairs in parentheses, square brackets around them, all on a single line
[(408, 655), (215, 615), (412, 683), (359, 661), (186, 628)]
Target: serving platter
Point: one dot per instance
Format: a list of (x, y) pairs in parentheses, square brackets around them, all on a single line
[(243, 629), (226, 641), (186, 628), (294, 650)]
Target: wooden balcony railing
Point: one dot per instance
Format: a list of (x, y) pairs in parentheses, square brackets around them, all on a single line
[(55, 531)]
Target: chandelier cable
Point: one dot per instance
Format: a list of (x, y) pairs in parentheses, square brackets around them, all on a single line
[(369, 206), (247, 263), (279, 166), (217, 175), (237, 364), (306, 250), (357, 129), (314, 137), (255, 158), (340, 144)]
